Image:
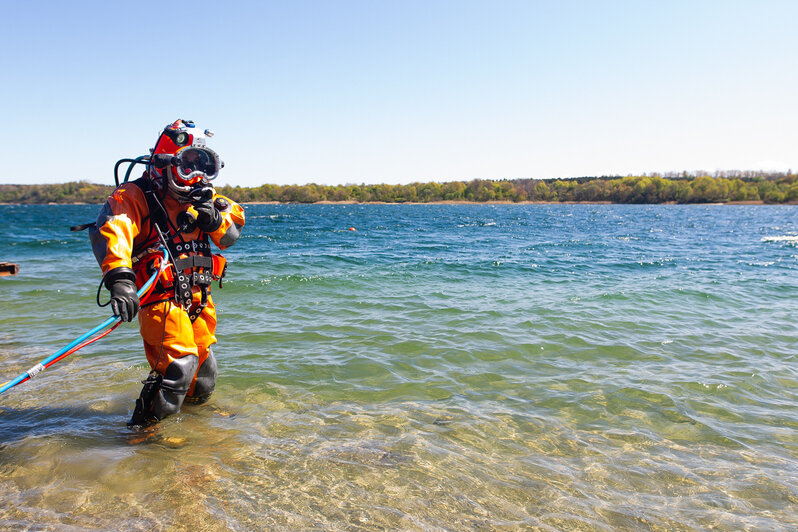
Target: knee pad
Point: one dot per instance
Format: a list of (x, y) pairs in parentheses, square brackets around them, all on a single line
[(206, 380), (163, 395), (179, 374)]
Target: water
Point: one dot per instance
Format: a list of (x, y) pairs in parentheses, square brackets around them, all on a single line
[(443, 367)]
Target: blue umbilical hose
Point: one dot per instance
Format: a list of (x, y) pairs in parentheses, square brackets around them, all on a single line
[(38, 368)]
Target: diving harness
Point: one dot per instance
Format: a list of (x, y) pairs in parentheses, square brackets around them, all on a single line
[(191, 262)]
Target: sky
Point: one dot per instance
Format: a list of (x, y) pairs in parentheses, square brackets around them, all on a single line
[(338, 92)]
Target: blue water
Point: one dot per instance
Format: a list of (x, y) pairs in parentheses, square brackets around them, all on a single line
[(555, 367)]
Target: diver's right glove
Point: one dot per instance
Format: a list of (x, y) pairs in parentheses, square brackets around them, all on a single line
[(124, 299)]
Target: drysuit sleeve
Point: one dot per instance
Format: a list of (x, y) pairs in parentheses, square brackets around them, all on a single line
[(118, 224), (232, 222)]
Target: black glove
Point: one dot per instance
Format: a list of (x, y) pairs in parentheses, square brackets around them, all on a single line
[(209, 219), (124, 299)]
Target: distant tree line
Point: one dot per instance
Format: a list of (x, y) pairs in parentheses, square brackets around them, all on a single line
[(656, 188), (72, 192)]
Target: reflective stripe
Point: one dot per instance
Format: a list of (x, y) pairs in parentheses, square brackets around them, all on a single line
[(35, 370)]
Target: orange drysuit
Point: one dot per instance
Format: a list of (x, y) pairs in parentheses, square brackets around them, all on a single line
[(124, 237)]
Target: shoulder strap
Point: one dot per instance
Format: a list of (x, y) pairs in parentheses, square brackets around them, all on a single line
[(157, 214)]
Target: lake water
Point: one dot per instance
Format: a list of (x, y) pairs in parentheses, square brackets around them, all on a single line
[(442, 367)]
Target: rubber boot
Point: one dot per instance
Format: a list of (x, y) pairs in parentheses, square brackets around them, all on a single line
[(142, 413)]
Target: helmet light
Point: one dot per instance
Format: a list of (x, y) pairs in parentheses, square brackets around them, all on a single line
[(179, 138)]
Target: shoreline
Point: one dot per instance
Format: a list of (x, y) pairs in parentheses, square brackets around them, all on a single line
[(760, 188), (456, 202), (461, 202)]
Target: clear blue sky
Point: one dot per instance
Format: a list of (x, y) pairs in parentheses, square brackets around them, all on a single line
[(375, 91)]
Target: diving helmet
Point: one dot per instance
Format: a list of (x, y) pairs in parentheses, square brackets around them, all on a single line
[(191, 165)]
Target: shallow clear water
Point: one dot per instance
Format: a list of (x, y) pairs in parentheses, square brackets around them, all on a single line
[(564, 367)]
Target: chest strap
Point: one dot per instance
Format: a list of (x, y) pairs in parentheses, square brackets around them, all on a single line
[(200, 265)]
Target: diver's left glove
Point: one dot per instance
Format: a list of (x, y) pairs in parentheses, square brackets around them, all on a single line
[(209, 219), (124, 299)]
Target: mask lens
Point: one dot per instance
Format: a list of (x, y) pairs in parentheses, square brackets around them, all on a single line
[(196, 161)]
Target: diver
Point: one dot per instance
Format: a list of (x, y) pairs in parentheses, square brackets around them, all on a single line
[(174, 205)]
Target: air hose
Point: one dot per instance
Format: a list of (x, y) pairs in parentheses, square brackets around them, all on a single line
[(86, 339), (143, 159)]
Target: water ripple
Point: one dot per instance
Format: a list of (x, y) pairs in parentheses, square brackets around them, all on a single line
[(443, 367)]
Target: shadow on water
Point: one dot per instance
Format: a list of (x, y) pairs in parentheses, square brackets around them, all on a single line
[(74, 422), (83, 427)]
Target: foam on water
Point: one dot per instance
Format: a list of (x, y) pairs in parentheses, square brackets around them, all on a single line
[(785, 238)]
